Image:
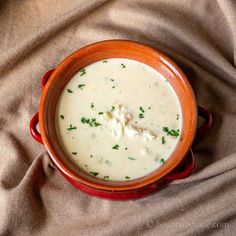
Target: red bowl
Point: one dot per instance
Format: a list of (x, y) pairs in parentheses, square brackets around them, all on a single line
[(181, 162)]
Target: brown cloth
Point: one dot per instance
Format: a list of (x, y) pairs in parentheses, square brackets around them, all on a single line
[(199, 35)]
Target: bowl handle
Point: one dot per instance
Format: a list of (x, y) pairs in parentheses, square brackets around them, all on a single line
[(33, 130), (35, 119), (204, 129), (185, 170), (188, 164), (46, 77)]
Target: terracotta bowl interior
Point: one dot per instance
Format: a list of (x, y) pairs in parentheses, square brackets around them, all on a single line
[(100, 51)]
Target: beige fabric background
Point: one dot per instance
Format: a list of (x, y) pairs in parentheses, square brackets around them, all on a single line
[(200, 35)]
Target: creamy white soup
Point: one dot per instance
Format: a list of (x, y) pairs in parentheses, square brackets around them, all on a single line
[(118, 119)]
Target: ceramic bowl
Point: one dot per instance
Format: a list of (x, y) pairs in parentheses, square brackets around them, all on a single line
[(181, 162)]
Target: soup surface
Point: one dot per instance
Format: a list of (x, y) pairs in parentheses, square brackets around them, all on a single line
[(118, 119)]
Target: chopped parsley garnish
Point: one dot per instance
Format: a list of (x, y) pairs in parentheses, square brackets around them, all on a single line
[(162, 160), (92, 105), (112, 108), (94, 173), (149, 108), (80, 86), (74, 153), (100, 113), (116, 147), (127, 177), (62, 117), (106, 177), (91, 156), (112, 80), (91, 122), (141, 116), (71, 127), (165, 129), (113, 87), (163, 141), (104, 61), (131, 158), (84, 120), (126, 148), (123, 66), (177, 117), (82, 72), (172, 132), (141, 109), (69, 91)]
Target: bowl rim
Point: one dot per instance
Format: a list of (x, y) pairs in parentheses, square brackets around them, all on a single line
[(69, 174)]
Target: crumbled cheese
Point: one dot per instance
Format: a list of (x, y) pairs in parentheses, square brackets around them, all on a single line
[(119, 121)]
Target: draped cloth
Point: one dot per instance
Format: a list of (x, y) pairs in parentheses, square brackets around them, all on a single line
[(200, 36)]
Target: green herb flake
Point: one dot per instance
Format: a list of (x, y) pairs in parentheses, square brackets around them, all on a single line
[(94, 173), (100, 113), (112, 80), (106, 177), (126, 148), (92, 105), (141, 116), (71, 127), (163, 141), (165, 129), (81, 86), (123, 66), (162, 160), (172, 132), (74, 153), (131, 158), (177, 116), (95, 123), (62, 117), (69, 91), (82, 72), (116, 147), (83, 120), (127, 177), (141, 109), (105, 61), (112, 108), (91, 156), (91, 122), (113, 87)]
